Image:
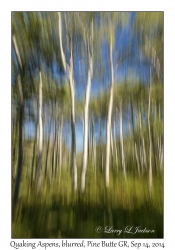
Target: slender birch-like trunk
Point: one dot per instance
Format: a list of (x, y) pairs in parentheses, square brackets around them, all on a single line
[(135, 153), (60, 149), (115, 146), (108, 125), (112, 149), (94, 158), (143, 141), (48, 145), (33, 159), (73, 147), (121, 140), (137, 159), (101, 149), (54, 150), (69, 71), (160, 153), (57, 150), (86, 106), (93, 147), (86, 120)]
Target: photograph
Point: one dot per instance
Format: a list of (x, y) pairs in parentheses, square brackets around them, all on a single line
[(87, 126)]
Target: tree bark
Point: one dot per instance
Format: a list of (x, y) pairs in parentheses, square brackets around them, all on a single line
[(52, 171), (137, 159), (121, 140), (69, 70), (86, 106), (73, 147), (60, 149), (48, 145), (115, 146), (112, 148), (108, 127), (101, 149), (143, 141), (86, 121), (33, 159), (94, 157)]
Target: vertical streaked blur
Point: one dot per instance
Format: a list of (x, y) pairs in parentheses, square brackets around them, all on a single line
[(87, 123)]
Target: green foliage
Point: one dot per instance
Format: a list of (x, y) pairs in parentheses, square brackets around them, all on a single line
[(98, 106), (157, 94), (58, 214), (149, 27), (109, 22)]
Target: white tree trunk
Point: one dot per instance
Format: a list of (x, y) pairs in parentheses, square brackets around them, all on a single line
[(115, 147), (112, 148), (121, 140), (61, 46), (48, 144), (57, 149), (143, 142), (73, 151), (60, 149), (108, 125), (94, 158), (86, 121), (137, 159), (53, 165), (86, 106), (160, 153), (101, 149), (69, 70)]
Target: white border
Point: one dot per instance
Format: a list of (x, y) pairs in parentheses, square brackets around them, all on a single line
[(5, 99)]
